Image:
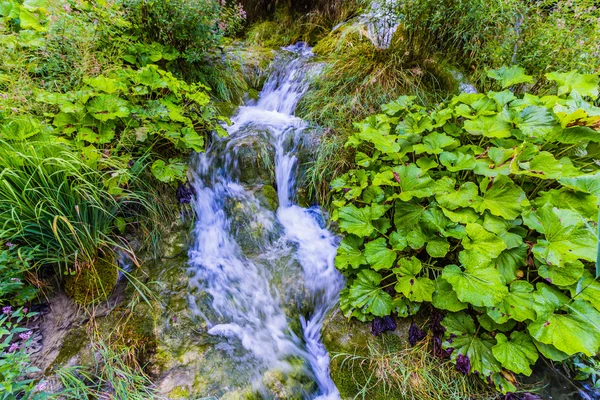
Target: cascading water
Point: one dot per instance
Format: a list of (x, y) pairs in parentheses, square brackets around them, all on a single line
[(246, 310)]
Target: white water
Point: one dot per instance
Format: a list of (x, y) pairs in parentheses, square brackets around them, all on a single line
[(382, 21), (246, 309)]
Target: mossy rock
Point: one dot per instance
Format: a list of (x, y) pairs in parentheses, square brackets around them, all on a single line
[(267, 195), (94, 283), (75, 340)]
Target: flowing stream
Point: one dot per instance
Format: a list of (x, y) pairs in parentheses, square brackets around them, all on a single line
[(248, 312)]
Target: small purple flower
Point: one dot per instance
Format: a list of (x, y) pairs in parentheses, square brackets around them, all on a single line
[(13, 347), (6, 310), (25, 335), (9, 244), (463, 364), (415, 334), (25, 310)]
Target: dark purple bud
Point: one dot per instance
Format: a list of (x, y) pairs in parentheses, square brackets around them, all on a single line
[(435, 325), (463, 364), (185, 192), (383, 324), (415, 334)]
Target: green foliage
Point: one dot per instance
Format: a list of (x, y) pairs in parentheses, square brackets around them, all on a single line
[(113, 373), (142, 108), (14, 262), (191, 27), (54, 202), (486, 207), (14, 357)]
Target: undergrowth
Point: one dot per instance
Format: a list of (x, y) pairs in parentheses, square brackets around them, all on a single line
[(386, 372)]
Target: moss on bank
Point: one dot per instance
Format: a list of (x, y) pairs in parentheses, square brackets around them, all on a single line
[(94, 283)]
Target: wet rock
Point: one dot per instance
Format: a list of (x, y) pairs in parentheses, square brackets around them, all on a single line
[(252, 158), (267, 196)]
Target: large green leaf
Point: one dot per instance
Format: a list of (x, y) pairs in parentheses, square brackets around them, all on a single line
[(462, 337), (509, 76), (483, 242), (584, 84), (349, 253), (407, 214), (437, 247), (414, 124), (510, 260), (192, 139), (467, 195), (411, 181), (516, 354), (408, 266), (173, 171), (106, 85), (562, 276), (379, 255), (435, 143), (518, 304), (588, 289), (583, 203), (578, 134), (578, 331), (567, 238), (106, 107), (416, 289), (444, 297), (584, 183), (496, 126), (536, 121), (366, 293), (479, 283), (503, 198), (457, 161), (359, 221), (545, 166), (376, 130)]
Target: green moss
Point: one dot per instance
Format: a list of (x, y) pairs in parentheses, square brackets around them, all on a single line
[(268, 196), (92, 284), (74, 341), (180, 392)]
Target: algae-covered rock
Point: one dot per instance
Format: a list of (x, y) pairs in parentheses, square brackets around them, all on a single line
[(93, 283), (254, 156), (267, 196)]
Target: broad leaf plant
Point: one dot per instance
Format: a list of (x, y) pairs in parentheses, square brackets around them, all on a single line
[(485, 208)]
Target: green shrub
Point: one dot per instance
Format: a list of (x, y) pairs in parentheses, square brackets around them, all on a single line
[(191, 27), (114, 373), (14, 357), (486, 207), (68, 211)]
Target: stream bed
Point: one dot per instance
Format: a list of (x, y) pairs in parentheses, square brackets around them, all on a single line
[(239, 244)]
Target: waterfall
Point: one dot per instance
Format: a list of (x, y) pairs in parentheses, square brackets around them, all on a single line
[(245, 308)]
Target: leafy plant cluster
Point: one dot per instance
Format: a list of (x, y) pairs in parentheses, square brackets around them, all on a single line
[(192, 27), (486, 208), (133, 108), (14, 338)]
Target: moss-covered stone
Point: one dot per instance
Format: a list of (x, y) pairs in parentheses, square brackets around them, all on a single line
[(267, 195), (93, 283), (74, 341)]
